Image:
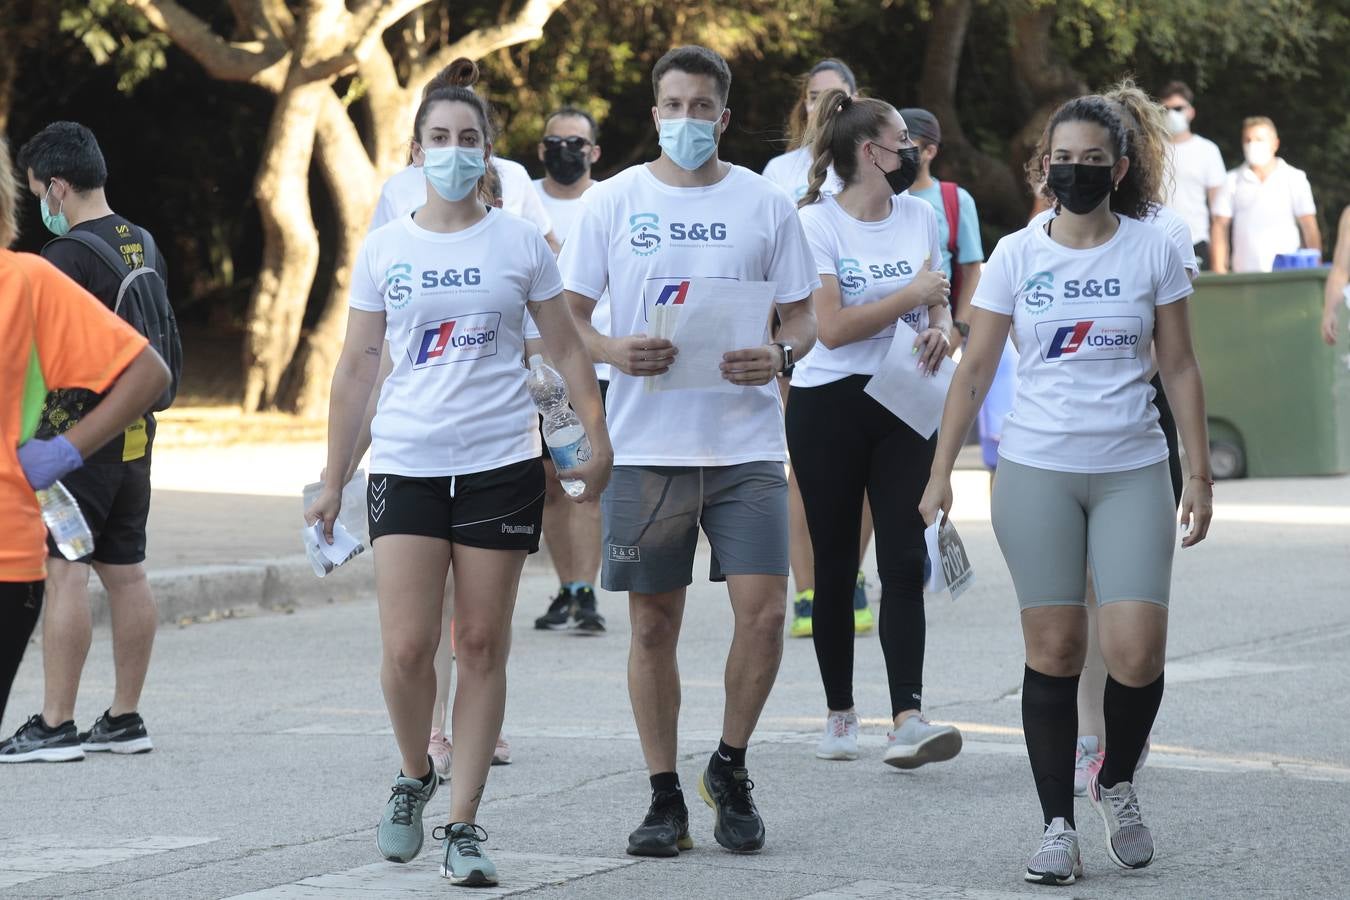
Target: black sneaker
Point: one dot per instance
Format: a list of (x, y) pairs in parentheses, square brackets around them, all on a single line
[(665, 831), (587, 619), (559, 611), (35, 742), (117, 734), (738, 826)]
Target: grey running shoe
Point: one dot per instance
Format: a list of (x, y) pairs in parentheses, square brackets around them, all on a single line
[(1058, 860), (35, 742), (918, 741), (463, 860), (399, 834), (117, 734), (1129, 843)]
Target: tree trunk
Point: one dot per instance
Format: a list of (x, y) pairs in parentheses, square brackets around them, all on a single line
[(353, 185), (290, 243), (1003, 199), (1047, 80)]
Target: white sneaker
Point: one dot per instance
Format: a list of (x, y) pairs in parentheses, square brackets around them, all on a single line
[(1058, 861), (918, 741), (1129, 843), (840, 740), (1087, 762)]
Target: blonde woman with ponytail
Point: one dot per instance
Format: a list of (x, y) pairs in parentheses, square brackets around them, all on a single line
[(877, 254)]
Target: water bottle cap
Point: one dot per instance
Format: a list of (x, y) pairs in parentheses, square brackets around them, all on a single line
[(536, 361)]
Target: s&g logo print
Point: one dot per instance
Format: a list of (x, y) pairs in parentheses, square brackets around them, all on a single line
[(398, 285), (1037, 292), (644, 233), (852, 281), (456, 339)]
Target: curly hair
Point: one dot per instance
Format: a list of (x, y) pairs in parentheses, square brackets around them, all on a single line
[(1131, 197)]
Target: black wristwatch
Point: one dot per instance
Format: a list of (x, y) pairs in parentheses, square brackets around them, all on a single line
[(963, 328), (786, 350)]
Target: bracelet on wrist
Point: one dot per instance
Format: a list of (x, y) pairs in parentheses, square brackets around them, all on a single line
[(1205, 478)]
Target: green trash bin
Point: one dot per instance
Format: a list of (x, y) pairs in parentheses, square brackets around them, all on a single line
[(1278, 398)]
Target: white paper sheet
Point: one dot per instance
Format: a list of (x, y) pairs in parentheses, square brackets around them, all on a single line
[(905, 389), (948, 563), (325, 557), (716, 317)]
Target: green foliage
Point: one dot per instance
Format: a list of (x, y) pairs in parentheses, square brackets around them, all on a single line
[(113, 32)]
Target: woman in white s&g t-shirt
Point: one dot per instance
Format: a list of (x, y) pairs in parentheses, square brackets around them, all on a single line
[(791, 171), (456, 479), (877, 254), (1083, 470)]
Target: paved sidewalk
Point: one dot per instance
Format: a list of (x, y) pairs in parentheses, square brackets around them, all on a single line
[(273, 751)]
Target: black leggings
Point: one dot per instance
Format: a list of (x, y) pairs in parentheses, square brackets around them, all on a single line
[(844, 445), (20, 603), (1169, 427)]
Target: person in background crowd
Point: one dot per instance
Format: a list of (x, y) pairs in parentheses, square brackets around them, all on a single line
[(791, 171), (67, 174), (957, 219), (1338, 278), (1197, 171), (1268, 203), (1084, 473), (53, 334), (724, 473), (878, 256), (570, 147)]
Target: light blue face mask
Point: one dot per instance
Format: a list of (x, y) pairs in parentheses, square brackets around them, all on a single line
[(56, 223), (454, 171), (688, 142)]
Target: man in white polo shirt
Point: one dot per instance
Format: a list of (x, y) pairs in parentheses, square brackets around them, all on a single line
[(693, 458), (1197, 168), (1268, 203)]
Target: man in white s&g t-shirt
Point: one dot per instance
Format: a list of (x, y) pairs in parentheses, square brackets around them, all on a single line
[(691, 458), (1197, 172), (569, 148)]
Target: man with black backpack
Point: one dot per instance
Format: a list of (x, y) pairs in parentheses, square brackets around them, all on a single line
[(118, 263)]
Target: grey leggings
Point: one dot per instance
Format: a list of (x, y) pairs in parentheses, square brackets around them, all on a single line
[(1052, 526)]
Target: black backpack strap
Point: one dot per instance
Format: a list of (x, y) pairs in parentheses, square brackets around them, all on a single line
[(149, 253), (102, 249)]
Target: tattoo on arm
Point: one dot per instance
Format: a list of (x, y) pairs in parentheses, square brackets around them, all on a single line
[(972, 392), (372, 351)]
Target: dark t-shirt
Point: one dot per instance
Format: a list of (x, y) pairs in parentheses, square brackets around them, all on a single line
[(65, 407)]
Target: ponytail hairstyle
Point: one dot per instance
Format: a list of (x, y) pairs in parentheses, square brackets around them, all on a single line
[(454, 84), (1144, 116), (839, 125), (1130, 197), (9, 190), (798, 136)]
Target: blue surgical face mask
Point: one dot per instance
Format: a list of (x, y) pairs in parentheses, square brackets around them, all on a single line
[(56, 223), (454, 171), (688, 142)]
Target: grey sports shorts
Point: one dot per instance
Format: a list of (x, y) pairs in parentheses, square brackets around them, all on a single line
[(652, 515), (1052, 526)]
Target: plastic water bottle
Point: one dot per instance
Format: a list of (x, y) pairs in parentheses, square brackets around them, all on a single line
[(564, 434), (65, 522)]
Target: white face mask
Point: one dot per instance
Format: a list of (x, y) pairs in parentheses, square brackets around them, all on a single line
[(1258, 153), (1176, 122)]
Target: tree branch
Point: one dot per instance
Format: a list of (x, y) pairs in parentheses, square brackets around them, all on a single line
[(256, 62), (527, 25)]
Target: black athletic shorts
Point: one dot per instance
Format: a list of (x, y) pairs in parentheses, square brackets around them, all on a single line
[(500, 509), (115, 500)]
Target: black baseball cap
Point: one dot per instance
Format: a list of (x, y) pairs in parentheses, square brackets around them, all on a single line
[(923, 125)]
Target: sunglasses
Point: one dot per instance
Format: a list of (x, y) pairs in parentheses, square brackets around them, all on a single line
[(574, 143)]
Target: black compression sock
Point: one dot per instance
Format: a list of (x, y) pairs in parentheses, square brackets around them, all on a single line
[(729, 756), (665, 782), (1050, 723), (1129, 714)]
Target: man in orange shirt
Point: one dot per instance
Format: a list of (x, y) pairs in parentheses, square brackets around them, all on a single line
[(53, 333)]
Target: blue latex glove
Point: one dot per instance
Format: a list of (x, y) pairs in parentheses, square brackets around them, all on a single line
[(46, 462)]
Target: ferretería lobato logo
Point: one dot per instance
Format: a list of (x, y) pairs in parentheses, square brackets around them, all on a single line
[(456, 339)]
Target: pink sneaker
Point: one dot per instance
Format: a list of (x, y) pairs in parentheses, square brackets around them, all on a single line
[(1086, 764), (440, 749), (502, 755)]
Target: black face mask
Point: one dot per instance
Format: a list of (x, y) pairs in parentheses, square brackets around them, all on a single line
[(901, 178), (563, 164), (1080, 189)]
